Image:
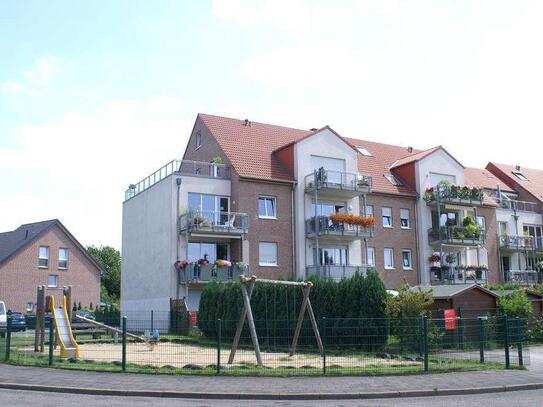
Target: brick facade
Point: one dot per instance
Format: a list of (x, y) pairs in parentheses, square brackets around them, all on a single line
[(395, 238), (20, 275)]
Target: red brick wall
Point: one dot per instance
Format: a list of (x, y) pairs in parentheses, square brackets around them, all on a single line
[(395, 238), (20, 275)]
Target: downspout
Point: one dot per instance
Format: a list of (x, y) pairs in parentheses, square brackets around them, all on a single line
[(417, 245), (293, 230), (177, 232)]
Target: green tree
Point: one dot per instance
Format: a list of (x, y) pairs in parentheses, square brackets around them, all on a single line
[(515, 305), (110, 261)]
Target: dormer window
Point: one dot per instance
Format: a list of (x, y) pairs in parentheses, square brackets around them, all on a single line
[(520, 175), (364, 151), (393, 180)]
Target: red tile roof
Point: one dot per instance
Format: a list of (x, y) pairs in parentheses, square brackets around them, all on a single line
[(414, 157), (249, 147), (478, 177), (534, 185)]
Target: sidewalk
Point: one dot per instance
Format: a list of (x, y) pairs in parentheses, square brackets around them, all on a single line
[(264, 387)]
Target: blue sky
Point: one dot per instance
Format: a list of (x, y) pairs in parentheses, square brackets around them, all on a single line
[(95, 95)]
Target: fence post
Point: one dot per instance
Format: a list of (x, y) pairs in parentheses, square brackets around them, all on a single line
[(219, 343), (8, 337), (506, 340), (401, 333), (460, 324), (152, 321), (323, 323), (425, 341), (123, 361), (518, 338), (482, 320), (51, 341)]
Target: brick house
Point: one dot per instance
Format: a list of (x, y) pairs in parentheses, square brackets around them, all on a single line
[(45, 253), (263, 197)]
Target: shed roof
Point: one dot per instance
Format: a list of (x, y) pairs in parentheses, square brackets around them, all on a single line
[(452, 290)]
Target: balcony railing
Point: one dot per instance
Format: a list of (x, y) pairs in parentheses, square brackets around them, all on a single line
[(523, 277), (336, 271), (194, 273), (454, 194), (233, 223), (457, 235), (522, 206), (455, 275), (185, 167), (516, 242), (347, 182), (333, 229)]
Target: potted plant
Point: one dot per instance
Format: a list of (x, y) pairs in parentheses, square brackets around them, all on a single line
[(429, 195), (450, 258), (217, 160), (434, 258), (362, 181)]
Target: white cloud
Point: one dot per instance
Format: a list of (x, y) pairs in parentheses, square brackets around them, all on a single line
[(35, 79), (77, 168)]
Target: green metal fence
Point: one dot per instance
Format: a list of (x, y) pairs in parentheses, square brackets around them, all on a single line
[(160, 343)]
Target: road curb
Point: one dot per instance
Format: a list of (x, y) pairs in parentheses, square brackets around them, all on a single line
[(270, 396)]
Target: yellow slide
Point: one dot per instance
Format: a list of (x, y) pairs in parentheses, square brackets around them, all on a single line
[(65, 338)]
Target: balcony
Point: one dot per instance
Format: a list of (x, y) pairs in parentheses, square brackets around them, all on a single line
[(214, 223), (195, 273), (516, 243), (337, 184), (327, 230), (458, 275), (183, 167), (522, 277), (454, 195), (336, 272), (521, 206), (456, 236)]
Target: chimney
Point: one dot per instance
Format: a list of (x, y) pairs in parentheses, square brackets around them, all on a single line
[(409, 149), (247, 122), (517, 167)]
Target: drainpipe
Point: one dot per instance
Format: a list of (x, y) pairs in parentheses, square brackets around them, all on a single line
[(293, 230), (315, 196), (177, 232)]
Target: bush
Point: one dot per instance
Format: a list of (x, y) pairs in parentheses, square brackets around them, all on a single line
[(275, 311), (515, 305)]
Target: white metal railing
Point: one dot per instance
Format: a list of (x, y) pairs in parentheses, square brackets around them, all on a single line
[(341, 180), (186, 167), (215, 221), (522, 206)]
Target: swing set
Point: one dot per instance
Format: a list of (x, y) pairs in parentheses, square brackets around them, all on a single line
[(247, 286)]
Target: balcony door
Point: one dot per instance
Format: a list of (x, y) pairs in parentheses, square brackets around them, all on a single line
[(536, 233), (337, 256), (208, 251), (334, 166), (213, 208)]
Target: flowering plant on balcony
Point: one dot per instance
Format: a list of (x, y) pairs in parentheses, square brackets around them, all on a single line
[(179, 265), (223, 263), (434, 258), (241, 265), (352, 219), (448, 191), (481, 268), (204, 261)]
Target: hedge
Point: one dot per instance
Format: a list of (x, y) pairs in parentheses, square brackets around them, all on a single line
[(348, 306)]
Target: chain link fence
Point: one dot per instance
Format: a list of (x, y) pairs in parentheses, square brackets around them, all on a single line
[(164, 342)]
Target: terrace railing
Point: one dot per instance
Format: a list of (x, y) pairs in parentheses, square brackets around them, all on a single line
[(325, 226), (339, 180), (456, 275), (185, 167), (336, 271), (523, 277), (516, 242), (214, 222), (210, 272), (454, 194), (522, 206), (458, 235)]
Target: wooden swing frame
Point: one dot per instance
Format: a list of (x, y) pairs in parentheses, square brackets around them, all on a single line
[(247, 286)]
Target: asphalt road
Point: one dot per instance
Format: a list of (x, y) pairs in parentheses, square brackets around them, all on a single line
[(32, 399)]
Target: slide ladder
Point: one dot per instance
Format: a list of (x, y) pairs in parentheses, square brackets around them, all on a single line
[(65, 338)]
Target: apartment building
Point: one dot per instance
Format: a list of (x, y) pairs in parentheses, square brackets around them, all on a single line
[(45, 254), (255, 198)]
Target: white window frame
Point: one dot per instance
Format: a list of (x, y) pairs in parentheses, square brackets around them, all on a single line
[(391, 250), (56, 281), (268, 264), (370, 256), (403, 210), (369, 210), (63, 259), (388, 216), (44, 258), (394, 180), (410, 256), (29, 306), (520, 176), (267, 216)]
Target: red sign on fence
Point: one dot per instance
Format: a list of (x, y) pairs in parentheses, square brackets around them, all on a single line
[(193, 318), (450, 319)]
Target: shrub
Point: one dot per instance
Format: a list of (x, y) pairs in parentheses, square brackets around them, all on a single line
[(515, 305)]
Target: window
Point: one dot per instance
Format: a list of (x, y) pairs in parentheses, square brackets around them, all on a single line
[(211, 207), (267, 254), (29, 306), (389, 259), (209, 251), (52, 281), (520, 176), (436, 178), (334, 168), (267, 208), (62, 258), (43, 259), (326, 209), (404, 219), (364, 151), (370, 256), (331, 255), (387, 217), (406, 259), (198, 139), (502, 227), (393, 180), (369, 210), (481, 221)]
